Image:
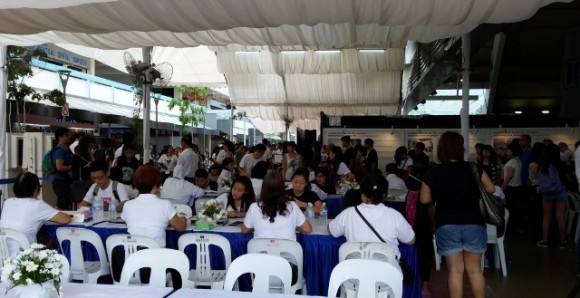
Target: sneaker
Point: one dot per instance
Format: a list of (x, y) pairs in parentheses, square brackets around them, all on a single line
[(564, 245), (542, 244)]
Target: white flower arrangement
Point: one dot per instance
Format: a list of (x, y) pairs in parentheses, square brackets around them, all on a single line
[(346, 185), (224, 182), (212, 210), (35, 265)]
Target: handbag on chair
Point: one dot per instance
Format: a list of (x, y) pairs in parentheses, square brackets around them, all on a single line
[(490, 206)]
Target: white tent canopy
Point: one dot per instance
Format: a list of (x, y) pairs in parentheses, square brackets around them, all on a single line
[(269, 84)]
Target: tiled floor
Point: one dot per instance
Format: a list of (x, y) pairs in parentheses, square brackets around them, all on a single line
[(532, 272)]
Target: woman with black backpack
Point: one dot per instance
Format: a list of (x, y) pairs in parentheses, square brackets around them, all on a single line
[(551, 184)]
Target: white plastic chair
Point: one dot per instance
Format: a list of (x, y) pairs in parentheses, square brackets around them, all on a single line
[(437, 256), (277, 247), (7, 247), (89, 271), (263, 267), (368, 273), (367, 251), (183, 209), (65, 277), (159, 260), (130, 244), (203, 275), (498, 245), (199, 202)]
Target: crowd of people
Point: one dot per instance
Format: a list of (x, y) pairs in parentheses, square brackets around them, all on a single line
[(271, 186)]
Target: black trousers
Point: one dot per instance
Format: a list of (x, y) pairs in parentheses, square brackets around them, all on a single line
[(61, 187)]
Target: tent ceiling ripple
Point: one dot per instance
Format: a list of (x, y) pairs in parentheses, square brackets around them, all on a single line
[(270, 83)]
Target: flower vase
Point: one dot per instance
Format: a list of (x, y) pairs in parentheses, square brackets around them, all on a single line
[(35, 290), (204, 225)]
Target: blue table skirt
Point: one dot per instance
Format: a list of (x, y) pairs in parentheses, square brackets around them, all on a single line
[(320, 255), (334, 206)]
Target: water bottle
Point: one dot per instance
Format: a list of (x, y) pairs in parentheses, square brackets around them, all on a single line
[(310, 211), (97, 208), (324, 213), (113, 210)]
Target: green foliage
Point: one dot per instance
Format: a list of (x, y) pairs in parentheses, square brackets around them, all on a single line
[(18, 65), (189, 111), (21, 91), (55, 96)]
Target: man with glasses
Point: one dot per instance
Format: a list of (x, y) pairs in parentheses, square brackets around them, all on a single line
[(104, 188)]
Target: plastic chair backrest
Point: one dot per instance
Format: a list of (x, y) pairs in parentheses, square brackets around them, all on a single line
[(202, 242), (76, 236), (368, 273), (254, 263), (199, 202), (130, 244), (65, 277), (367, 251), (8, 235), (159, 260), (492, 237), (276, 247), (184, 209)]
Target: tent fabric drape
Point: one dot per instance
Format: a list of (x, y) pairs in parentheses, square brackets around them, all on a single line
[(270, 83)]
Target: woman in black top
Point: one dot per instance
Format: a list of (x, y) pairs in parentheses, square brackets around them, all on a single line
[(301, 193), (127, 164), (322, 180), (488, 163), (81, 159), (460, 229)]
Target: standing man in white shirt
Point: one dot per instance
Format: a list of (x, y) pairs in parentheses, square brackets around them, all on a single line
[(128, 138), (188, 159), (167, 161), (72, 146)]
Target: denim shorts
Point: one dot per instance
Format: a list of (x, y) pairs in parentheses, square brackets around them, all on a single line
[(453, 239), (559, 196)]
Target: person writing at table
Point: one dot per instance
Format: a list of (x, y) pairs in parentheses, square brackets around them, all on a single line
[(388, 223), (104, 187), (147, 214), (301, 193), (239, 199), (276, 216), (25, 213)]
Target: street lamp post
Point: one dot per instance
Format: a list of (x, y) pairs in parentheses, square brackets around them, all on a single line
[(64, 75)]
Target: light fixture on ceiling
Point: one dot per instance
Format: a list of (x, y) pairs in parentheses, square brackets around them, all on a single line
[(292, 51), (330, 51), (545, 112), (518, 112), (371, 50), (246, 52)]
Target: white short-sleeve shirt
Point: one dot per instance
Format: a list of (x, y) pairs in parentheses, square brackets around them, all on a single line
[(516, 165), (248, 162), (107, 192), (148, 215), (283, 227), (257, 186), (396, 183), (343, 170), (25, 215), (223, 200), (388, 222), (181, 190), (406, 163)]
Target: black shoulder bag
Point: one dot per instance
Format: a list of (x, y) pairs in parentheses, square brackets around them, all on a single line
[(405, 268)]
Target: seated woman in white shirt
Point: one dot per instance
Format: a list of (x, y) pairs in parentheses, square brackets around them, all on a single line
[(391, 226), (259, 171), (394, 175), (276, 216), (25, 213), (147, 214), (337, 169), (239, 199), (179, 189)]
